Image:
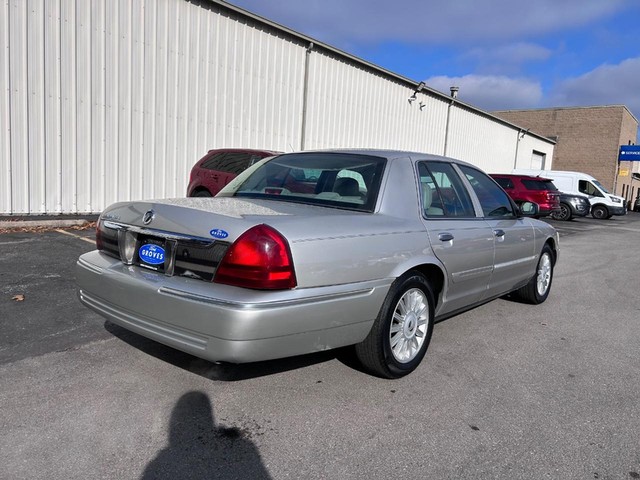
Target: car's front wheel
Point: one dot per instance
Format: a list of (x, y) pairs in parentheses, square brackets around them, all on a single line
[(600, 212), (402, 331)]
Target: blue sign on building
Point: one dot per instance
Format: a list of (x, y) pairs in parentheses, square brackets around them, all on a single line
[(629, 153)]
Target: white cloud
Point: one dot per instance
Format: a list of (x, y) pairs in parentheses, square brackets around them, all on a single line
[(342, 22), (605, 85), (507, 58), (491, 92), (453, 25)]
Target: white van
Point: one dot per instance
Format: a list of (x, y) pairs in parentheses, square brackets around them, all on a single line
[(603, 203)]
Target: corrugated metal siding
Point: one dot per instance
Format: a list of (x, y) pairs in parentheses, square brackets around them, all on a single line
[(109, 101), (18, 107), (5, 119), (352, 107), (488, 145)]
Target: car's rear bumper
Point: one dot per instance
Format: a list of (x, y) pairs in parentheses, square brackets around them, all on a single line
[(546, 211), (223, 323)]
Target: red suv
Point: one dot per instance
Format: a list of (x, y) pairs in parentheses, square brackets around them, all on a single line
[(219, 167), (523, 188)]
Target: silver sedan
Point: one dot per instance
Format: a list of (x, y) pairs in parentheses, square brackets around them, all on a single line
[(311, 251)]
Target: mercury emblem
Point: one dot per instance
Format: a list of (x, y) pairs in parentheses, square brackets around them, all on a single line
[(148, 216)]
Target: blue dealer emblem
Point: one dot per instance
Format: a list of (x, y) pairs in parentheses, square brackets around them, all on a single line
[(218, 233), (150, 253)]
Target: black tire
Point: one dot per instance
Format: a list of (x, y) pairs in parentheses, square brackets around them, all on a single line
[(537, 290), (563, 214), (600, 212), (202, 193), (410, 331)]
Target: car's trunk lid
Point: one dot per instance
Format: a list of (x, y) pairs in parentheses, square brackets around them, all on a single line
[(190, 236)]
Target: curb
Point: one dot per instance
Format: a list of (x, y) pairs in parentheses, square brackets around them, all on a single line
[(7, 224)]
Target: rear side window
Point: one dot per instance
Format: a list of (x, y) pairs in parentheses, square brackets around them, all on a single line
[(539, 185), (442, 191), (504, 182), (228, 162), (254, 159), (494, 201)]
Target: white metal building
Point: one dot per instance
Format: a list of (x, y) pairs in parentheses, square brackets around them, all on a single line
[(109, 100)]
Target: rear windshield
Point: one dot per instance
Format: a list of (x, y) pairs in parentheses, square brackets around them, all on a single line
[(339, 180), (539, 185)]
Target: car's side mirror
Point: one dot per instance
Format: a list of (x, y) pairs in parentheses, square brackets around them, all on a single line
[(529, 209)]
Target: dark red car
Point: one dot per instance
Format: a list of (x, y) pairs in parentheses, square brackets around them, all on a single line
[(219, 167), (523, 188)]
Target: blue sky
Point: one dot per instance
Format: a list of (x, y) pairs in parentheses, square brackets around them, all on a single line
[(501, 53)]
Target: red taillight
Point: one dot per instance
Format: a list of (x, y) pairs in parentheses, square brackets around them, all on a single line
[(260, 258)]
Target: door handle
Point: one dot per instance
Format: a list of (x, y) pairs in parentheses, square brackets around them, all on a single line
[(498, 233), (445, 237)]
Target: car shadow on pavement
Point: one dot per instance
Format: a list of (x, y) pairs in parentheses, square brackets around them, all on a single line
[(199, 449), (229, 372)]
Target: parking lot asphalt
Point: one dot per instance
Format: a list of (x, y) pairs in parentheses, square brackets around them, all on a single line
[(506, 390)]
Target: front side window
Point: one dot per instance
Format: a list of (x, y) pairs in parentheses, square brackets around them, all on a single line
[(339, 180), (601, 186), (442, 191), (588, 188), (494, 201)]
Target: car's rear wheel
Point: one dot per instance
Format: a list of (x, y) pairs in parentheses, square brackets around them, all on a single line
[(537, 290), (402, 331), (202, 193), (563, 214), (600, 212)]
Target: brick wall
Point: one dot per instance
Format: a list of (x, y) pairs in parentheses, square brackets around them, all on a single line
[(627, 186), (588, 138)]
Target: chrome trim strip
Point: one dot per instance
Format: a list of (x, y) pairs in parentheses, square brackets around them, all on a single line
[(159, 233), (266, 305), (468, 274), (514, 262)]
